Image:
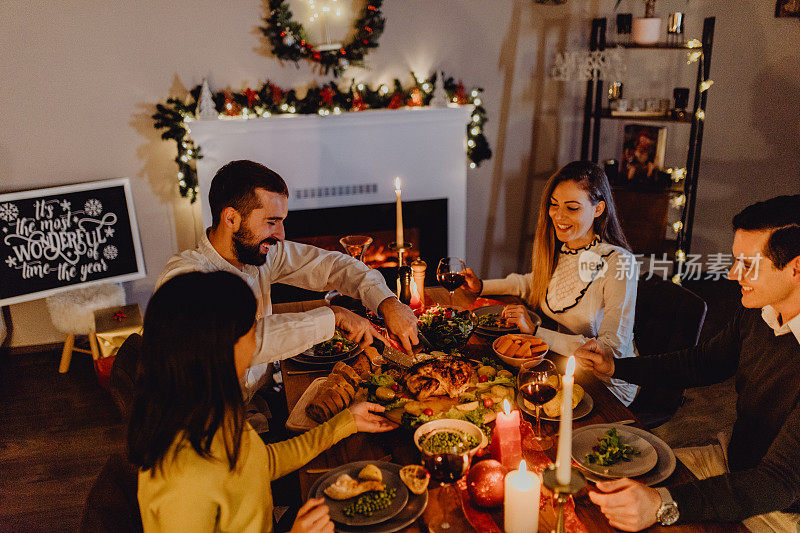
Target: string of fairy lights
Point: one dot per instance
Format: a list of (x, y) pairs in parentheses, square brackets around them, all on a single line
[(678, 175), (173, 115)]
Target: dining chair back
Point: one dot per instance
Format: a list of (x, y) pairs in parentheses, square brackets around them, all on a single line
[(668, 318), (112, 505), (123, 374)]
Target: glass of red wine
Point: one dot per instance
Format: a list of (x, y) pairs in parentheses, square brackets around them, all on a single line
[(450, 274), (538, 383), (447, 466)]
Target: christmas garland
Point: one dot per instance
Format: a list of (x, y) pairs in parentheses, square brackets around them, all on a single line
[(270, 99), (289, 40)]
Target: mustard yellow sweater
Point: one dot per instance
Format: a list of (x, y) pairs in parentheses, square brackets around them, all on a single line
[(197, 494)]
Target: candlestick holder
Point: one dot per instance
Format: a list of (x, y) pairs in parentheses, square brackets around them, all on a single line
[(401, 251), (562, 492)]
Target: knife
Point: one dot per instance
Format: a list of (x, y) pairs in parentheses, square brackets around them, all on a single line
[(392, 354), (424, 342)]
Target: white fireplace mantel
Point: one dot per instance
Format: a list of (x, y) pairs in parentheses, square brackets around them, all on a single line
[(350, 158)]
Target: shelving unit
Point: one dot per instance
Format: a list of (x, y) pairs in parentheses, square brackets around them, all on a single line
[(595, 113)]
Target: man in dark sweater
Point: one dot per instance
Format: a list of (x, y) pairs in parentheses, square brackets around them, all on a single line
[(760, 347)]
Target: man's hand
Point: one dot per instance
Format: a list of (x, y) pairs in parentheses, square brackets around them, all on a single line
[(400, 322), (367, 421), (472, 283), (313, 518), (594, 356), (520, 316), (627, 504), (354, 327)]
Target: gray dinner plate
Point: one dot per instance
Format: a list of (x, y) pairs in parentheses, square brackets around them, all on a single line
[(414, 507), (391, 478), (665, 464), (487, 330)]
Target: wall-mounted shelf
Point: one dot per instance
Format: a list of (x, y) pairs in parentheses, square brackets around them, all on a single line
[(595, 113)]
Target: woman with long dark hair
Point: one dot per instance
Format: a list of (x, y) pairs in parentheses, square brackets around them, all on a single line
[(583, 274), (201, 466)]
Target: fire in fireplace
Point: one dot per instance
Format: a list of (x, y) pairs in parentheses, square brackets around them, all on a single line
[(425, 224)]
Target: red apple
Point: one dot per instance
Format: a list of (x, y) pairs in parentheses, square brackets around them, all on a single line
[(486, 483)]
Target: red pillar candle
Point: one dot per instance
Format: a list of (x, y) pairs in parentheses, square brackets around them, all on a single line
[(506, 437)]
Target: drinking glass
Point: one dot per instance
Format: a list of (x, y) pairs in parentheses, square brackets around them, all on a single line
[(356, 245), (448, 466), (450, 274), (538, 382)]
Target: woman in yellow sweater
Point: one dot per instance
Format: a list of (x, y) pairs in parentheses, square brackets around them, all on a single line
[(201, 465)]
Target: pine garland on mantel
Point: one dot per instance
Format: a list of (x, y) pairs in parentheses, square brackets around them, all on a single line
[(290, 42), (323, 100)]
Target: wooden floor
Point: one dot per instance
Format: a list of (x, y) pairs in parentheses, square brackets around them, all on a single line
[(57, 430)]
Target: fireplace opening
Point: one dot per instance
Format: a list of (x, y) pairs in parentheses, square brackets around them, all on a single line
[(424, 225)]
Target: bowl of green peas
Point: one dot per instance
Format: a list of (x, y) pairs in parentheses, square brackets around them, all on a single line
[(449, 435)]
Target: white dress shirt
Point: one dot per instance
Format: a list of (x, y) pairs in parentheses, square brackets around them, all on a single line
[(287, 334), (770, 316), (586, 306)]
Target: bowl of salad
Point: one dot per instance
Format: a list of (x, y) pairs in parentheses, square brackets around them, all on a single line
[(447, 328), (333, 349)]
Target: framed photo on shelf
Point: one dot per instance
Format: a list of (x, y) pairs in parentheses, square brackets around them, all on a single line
[(787, 8), (643, 152)]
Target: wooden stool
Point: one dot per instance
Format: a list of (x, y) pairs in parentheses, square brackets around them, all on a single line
[(72, 313)]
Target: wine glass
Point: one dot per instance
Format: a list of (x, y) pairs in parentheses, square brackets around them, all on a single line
[(356, 245), (447, 465), (538, 383), (450, 274)]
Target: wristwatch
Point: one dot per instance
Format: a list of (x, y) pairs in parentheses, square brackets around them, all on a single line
[(668, 513)]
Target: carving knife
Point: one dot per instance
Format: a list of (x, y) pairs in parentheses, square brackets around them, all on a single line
[(392, 354)]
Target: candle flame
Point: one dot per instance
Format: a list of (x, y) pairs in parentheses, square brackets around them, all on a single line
[(523, 467), (506, 407), (570, 366), (397, 183)]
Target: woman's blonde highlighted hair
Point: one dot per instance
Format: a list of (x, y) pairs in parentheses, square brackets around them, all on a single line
[(593, 180)]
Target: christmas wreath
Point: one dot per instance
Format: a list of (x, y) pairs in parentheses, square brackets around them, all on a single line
[(289, 40), (323, 100)]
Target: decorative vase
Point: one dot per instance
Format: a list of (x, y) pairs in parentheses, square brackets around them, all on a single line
[(646, 30)]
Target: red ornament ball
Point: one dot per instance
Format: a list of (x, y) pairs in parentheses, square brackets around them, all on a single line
[(486, 483)]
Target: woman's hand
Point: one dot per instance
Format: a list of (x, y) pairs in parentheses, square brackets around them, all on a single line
[(366, 419), (519, 316), (472, 283), (313, 518)]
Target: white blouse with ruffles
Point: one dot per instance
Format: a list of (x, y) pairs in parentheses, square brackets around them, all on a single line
[(592, 295)]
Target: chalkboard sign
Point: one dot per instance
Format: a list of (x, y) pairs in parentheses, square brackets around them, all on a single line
[(60, 238)]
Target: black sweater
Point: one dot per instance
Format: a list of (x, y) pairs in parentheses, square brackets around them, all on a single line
[(764, 452)]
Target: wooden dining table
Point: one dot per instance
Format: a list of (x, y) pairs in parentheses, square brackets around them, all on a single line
[(443, 508)]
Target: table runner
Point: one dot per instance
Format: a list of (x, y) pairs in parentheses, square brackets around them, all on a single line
[(537, 461)]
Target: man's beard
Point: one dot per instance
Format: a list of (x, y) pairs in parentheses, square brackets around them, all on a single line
[(246, 252)]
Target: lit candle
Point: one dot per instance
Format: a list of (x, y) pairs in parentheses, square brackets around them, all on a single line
[(399, 237), (416, 303), (521, 504), (418, 267), (507, 437), (564, 457)]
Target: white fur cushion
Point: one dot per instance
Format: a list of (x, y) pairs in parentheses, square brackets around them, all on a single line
[(73, 311)]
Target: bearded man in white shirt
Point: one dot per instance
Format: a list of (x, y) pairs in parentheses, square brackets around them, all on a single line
[(249, 203)]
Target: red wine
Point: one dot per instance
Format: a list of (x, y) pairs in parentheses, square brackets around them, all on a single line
[(538, 393), (451, 280), (446, 467)]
